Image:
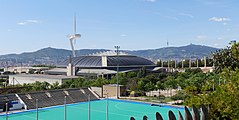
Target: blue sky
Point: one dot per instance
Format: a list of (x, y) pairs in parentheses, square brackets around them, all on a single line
[(29, 25)]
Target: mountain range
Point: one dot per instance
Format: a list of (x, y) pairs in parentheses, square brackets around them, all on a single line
[(53, 55)]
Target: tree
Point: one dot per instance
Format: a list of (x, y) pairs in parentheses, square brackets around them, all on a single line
[(159, 63), (152, 78), (99, 82), (142, 72), (227, 58), (171, 83), (55, 85), (149, 86), (160, 85), (223, 102), (141, 85), (131, 74), (132, 84)]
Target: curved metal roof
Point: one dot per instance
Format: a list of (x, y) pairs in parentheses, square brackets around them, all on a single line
[(96, 61), (128, 61), (84, 61)]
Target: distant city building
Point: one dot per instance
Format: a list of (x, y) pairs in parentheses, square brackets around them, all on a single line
[(26, 69)]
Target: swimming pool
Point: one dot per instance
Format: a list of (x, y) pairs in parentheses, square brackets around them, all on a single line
[(117, 110)]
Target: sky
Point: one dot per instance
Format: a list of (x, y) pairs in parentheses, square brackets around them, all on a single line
[(29, 25)]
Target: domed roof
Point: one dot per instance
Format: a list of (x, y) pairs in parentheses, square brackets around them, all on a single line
[(128, 61), (108, 61), (84, 61)]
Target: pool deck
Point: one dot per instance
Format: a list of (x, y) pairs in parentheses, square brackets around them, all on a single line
[(139, 99)]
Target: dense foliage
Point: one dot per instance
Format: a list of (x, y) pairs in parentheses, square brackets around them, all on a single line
[(223, 101), (227, 57), (221, 91)]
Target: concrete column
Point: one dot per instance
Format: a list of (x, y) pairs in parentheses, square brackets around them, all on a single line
[(197, 63), (182, 63), (205, 61)]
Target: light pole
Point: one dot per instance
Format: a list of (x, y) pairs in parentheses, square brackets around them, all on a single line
[(36, 109), (107, 106), (89, 107), (6, 111), (117, 76), (65, 108)]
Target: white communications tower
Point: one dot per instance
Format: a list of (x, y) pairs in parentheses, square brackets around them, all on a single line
[(73, 37)]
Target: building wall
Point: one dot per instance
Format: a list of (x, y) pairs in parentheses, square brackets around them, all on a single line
[(25, 69), (111, 90), (13, 80), (97, 90), (104, 61), (166, 93)]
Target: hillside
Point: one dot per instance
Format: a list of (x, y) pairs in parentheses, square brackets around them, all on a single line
[(193, 51), (53, 56)]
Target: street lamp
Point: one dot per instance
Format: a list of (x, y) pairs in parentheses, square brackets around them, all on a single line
[(117, 76)]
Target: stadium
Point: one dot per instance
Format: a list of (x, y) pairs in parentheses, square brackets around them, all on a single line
[(101, 65)]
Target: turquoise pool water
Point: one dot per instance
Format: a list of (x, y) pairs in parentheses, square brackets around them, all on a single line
[(117, 110)]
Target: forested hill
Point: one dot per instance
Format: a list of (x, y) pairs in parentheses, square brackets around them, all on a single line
[(189, 51), (53, 55)]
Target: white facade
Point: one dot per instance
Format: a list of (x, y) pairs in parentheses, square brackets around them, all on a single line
[(25, 69), (31, 78)]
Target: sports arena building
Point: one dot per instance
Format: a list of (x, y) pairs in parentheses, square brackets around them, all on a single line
[(101, 65)]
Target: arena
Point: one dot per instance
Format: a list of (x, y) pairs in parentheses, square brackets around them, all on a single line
[(101, 65)]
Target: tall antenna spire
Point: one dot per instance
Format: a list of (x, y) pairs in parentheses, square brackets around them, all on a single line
[(167, 43), (73, 37), (75, 24)]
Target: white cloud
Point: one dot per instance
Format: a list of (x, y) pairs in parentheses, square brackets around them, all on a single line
[(32, 21), (186, 14), (123, 35), (166, 16), (216, 45), (152, 1), (24, 22), (201, 37), (224, 23), (172, 18), (21, 23), (219, 19)]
